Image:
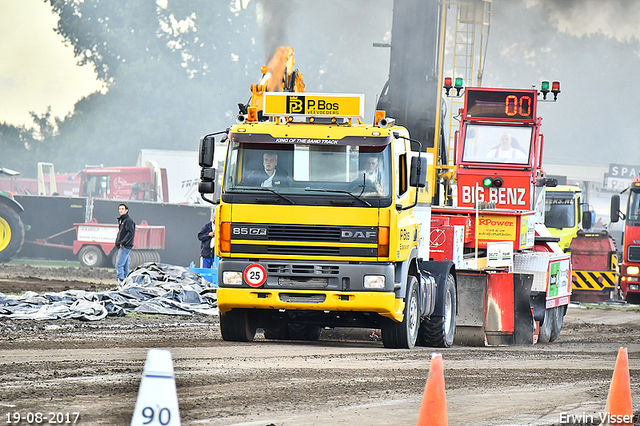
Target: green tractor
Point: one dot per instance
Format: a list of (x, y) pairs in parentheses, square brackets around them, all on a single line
[(11, 226)]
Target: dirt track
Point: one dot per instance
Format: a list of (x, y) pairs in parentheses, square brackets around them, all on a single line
[(94, 368)]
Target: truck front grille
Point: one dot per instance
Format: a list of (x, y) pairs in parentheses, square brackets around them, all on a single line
[(302, 268), (313, 250), (304, 233), (303, 283), (309, 250), (302, 298), (304, 240), (633, 254)]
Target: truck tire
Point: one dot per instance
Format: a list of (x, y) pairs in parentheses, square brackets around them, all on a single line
[(306, 332), (11, 233), (91, 256), (546, 328), (439, 330), (237, 326), (134, 259), (278, 332), (557, 323), (404, 334), (633, 298)]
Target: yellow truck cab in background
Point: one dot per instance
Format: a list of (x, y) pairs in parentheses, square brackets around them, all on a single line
[(319, 225), (563, 213)]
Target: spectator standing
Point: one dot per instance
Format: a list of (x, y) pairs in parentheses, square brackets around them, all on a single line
[(206, 237), (124, 242)]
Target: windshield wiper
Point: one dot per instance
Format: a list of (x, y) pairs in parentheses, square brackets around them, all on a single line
[(261, 189), (339, 191)]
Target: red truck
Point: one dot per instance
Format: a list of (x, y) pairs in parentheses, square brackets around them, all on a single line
[(117, 183), (630, 267), (124, 183)]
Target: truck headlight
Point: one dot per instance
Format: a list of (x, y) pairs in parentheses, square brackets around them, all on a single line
[(232, 278), (633, 270), (374, 282)]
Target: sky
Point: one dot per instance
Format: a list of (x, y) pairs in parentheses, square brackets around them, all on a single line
[(579, 42), (36, 69)]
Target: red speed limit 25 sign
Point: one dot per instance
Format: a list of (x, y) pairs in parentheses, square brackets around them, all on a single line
[(255, 275)]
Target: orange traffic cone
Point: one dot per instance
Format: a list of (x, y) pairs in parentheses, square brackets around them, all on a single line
[(619, 410), (433, 411)]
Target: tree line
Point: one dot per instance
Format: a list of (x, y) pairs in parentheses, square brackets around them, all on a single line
[(173, 72)]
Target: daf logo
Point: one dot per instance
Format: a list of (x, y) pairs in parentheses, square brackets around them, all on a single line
[(358, 234)]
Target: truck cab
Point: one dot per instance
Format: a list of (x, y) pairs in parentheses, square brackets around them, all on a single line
[(123, 183), (563, 213), (630, 267), (318, 226)]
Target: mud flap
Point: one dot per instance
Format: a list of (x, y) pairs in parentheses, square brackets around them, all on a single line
[(494, 309), (524, 324), (471, 300)]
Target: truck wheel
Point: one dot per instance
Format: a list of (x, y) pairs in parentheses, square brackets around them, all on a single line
[(633, 298), (546, 328), (134, 259), (91, 256), (11, 233), (304, 332), (557, 323), (237, 326), (404, 334), (439, 331), (279, 332)]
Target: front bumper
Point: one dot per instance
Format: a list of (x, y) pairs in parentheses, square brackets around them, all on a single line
[(385, 304), (311, 286)]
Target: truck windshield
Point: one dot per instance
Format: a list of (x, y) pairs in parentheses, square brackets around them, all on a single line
[(96, 186), (502, 144), (310, 170), (559, 210), (633, 214)]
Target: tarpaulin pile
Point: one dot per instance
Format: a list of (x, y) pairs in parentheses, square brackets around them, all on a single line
[(152, 288)]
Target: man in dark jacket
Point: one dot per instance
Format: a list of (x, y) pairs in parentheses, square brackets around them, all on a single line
[(270, 175), (124, 242), (205, 236)]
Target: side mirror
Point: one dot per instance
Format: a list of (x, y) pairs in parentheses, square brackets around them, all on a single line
[(207, 184), (207, 147), (587, 220), (206, 187), (418, 177), (615, 208)]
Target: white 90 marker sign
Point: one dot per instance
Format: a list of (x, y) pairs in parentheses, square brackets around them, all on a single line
[(255, 275)]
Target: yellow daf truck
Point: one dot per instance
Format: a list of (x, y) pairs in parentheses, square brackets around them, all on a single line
[(319, 225)]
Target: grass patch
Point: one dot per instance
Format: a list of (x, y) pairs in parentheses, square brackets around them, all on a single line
[(45, 262), (604, 306), (133, 314)]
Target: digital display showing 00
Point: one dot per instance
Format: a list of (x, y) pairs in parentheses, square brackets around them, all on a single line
[(500, 104)]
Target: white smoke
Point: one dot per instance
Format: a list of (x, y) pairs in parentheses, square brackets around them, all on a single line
[(616, 19)]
